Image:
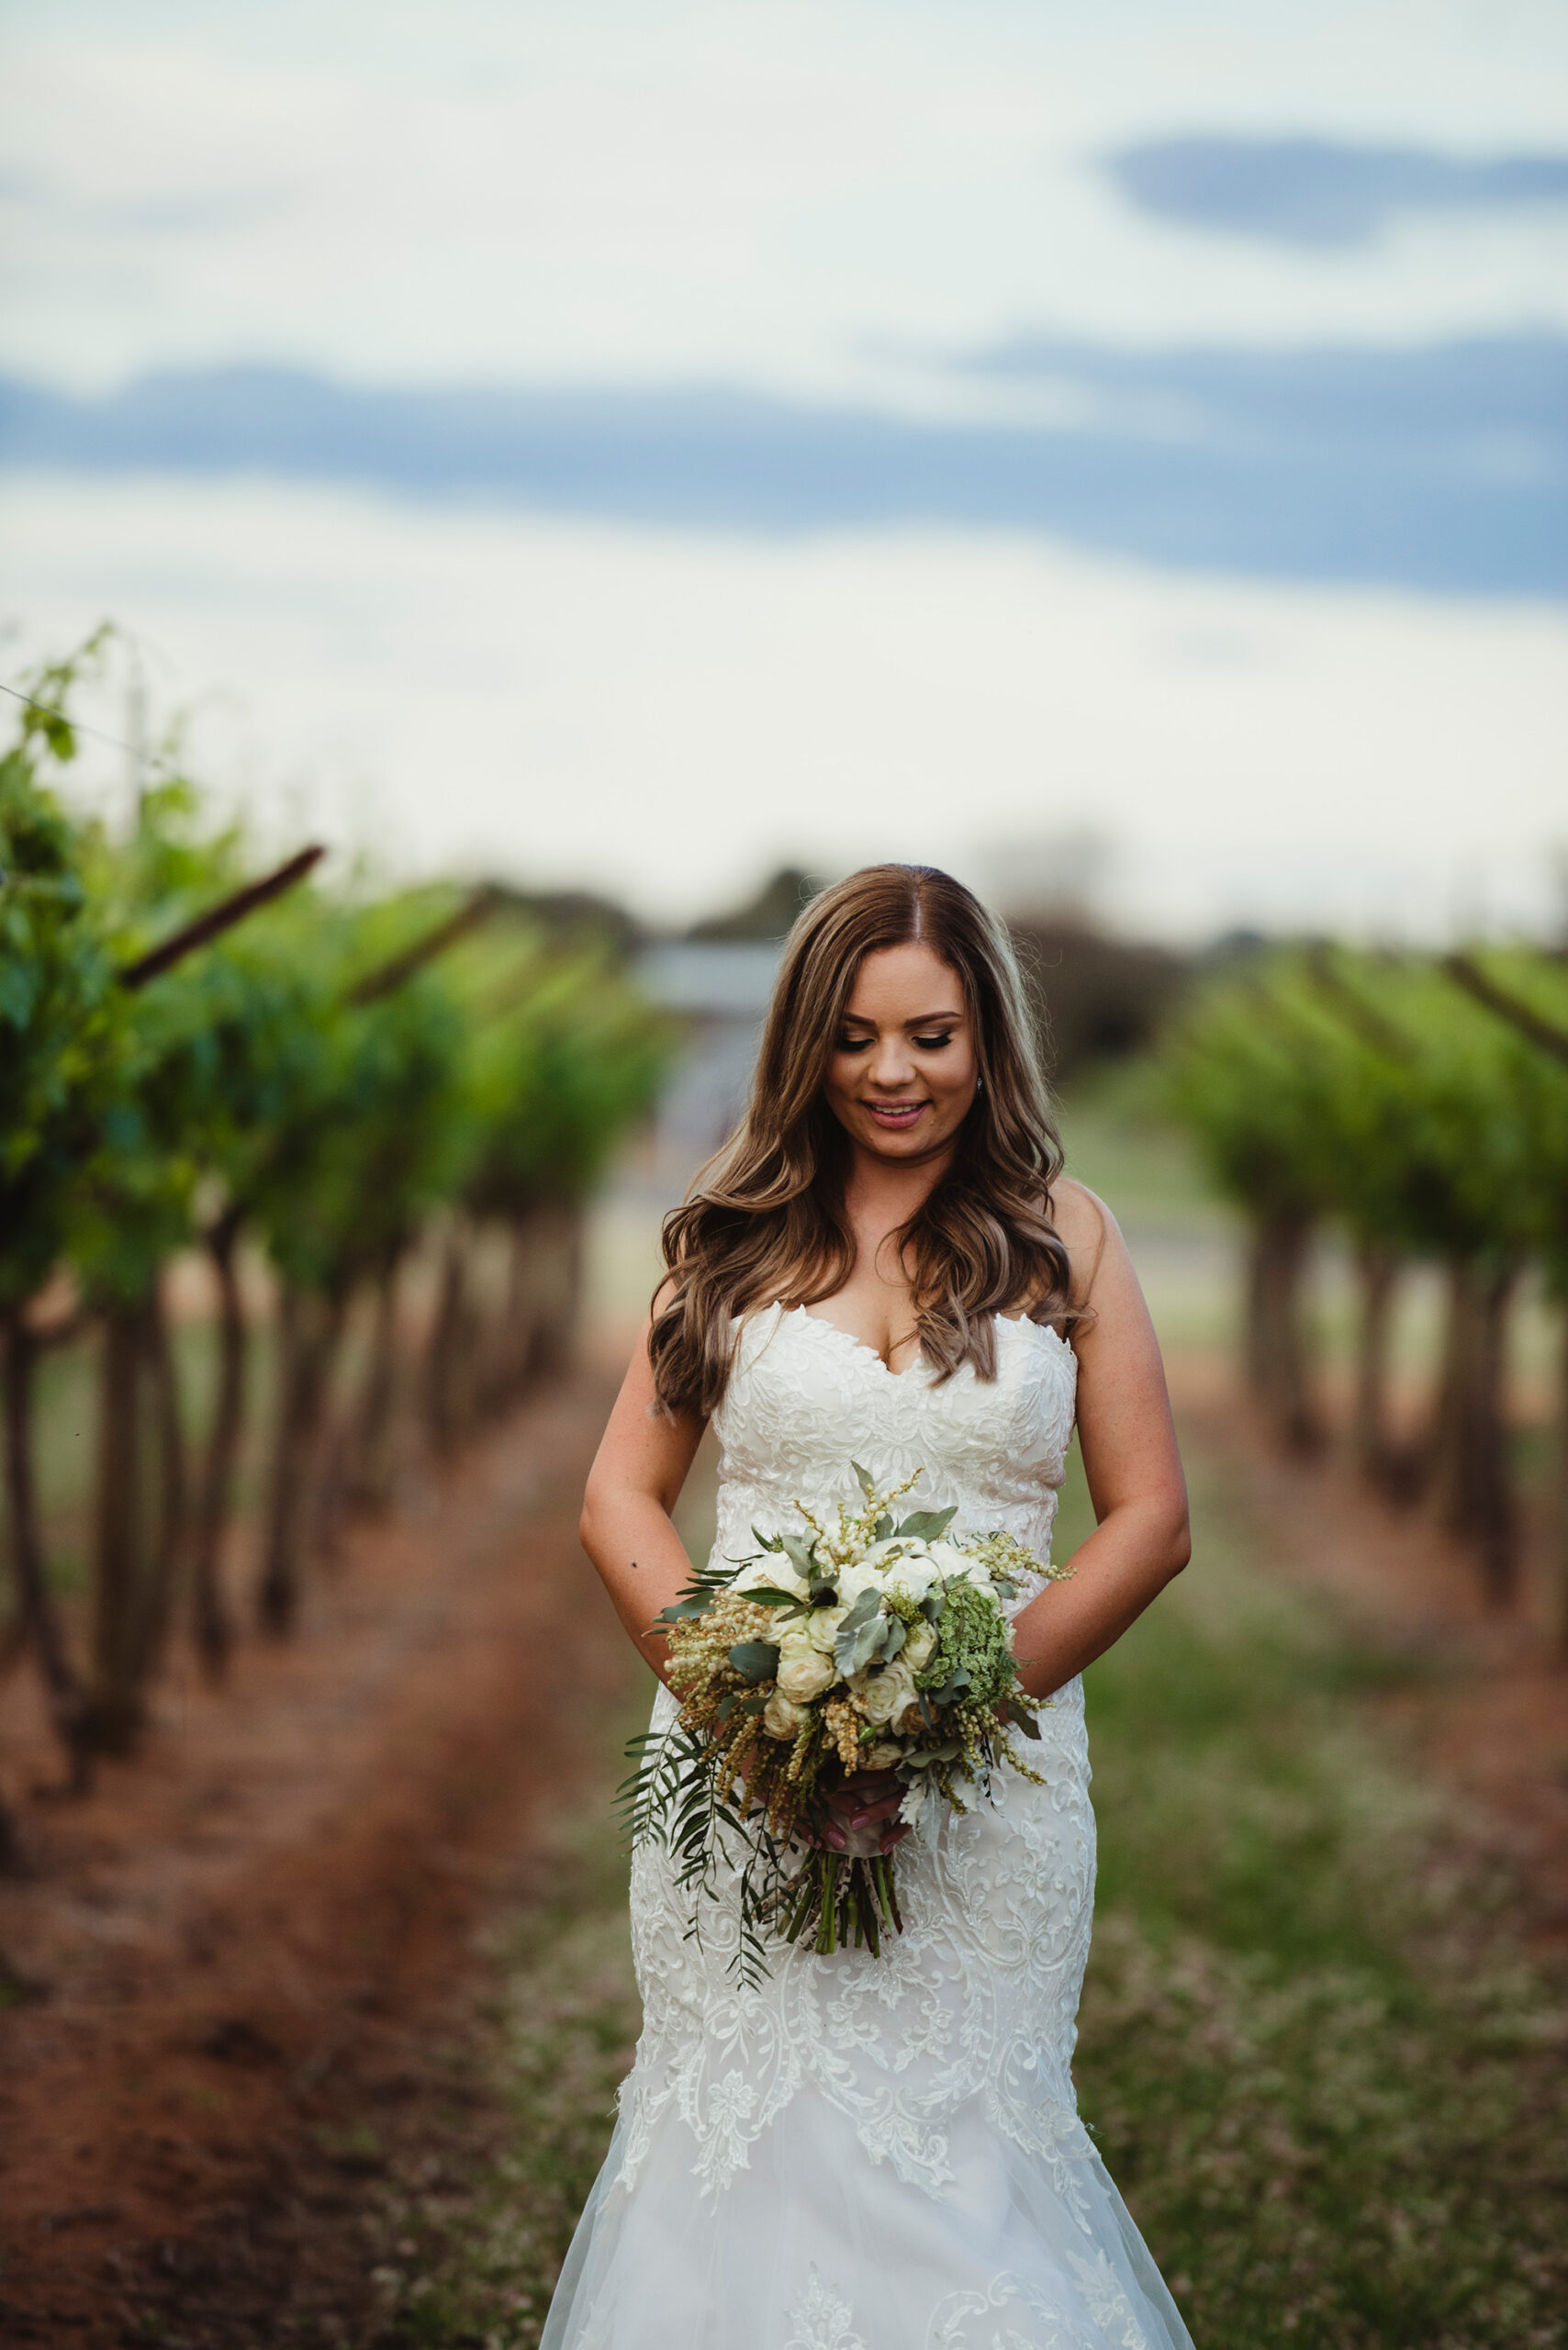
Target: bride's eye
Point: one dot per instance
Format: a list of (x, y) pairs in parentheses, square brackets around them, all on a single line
[(852, 1044), (933, 1044)]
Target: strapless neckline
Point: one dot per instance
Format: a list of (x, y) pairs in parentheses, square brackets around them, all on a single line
[(858, 1345)]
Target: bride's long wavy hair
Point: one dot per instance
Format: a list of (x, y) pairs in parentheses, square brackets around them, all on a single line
[(765, 1220)]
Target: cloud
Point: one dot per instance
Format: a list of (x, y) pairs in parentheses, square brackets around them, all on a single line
[(470, 687), (1442, 468), (1447, 401), (1321, 192)]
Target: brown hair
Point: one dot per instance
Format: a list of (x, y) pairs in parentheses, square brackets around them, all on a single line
[(764, 1220)]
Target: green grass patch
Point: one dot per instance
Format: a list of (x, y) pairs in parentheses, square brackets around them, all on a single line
[(1309, 2050), (1121, 1142), (472, 2261)]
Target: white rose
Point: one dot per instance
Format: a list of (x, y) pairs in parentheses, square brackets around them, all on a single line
[(883, 1757), (821, 1628), (912, 1578), (918, 1646), (803, 1671), (888, 1693), (783, 1718), (853, 1581), (946, 1559)]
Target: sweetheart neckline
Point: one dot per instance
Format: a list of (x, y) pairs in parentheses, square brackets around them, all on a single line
[(859, 1345)]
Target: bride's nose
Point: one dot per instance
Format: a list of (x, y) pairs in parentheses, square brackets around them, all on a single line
[(892, 1065)]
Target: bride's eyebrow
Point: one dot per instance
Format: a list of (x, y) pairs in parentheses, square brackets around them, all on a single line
[(926, 1019)]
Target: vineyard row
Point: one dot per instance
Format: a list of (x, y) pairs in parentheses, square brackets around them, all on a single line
[(324, 1079)]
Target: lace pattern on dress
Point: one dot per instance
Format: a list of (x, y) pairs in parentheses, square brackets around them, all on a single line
[(986, 2318), (823, 2320), (977, 1999)]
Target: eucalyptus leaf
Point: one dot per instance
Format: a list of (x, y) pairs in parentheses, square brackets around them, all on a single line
[(858, 1634), (928, 1525), (754, 1660), (868, 1483), (857, 1644), (799, 1554), (698, 1606), (894, 1637)]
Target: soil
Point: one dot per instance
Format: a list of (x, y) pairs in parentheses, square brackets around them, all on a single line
[(258, 1934), (250, 1968)]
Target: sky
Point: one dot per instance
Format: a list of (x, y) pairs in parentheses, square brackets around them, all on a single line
[(636, 445)]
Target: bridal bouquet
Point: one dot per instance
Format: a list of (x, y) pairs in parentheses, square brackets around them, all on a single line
[(871, 1647)]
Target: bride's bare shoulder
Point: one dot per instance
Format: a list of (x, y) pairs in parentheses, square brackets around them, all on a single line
[(1079, 1215), (1088, 1230)]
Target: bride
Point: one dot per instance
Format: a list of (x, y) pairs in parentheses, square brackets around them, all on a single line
[(885, 1264)]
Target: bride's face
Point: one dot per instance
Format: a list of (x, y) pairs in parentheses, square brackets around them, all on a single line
[(902, 1073)]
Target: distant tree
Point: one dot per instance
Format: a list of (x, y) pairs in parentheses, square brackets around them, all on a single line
[(1098, 998), (766, 916)]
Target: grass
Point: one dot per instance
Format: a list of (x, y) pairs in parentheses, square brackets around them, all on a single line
[(472, 2261), (1311, 2052), (1318, 2066)]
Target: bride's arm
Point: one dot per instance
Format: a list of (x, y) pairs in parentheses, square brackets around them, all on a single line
[(635, 1483), (1134, 1470)]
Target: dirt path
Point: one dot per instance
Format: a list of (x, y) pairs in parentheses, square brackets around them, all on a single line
[(250, 1937)]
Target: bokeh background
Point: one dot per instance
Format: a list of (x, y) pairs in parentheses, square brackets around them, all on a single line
[(661, 442), (595, 475)]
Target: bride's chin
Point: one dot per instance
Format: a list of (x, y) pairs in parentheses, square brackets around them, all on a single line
[(913, 1143)]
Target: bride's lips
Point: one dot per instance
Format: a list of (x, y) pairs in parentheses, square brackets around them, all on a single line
[(895, 1116)]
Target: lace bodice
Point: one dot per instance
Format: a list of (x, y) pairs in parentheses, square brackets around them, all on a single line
[(805, 1398), (976, 2000)]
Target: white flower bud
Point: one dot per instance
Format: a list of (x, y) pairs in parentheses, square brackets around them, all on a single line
[(783, 1718), (919, 1647), (821, 1626)]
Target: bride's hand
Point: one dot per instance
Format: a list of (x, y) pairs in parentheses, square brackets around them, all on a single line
[(864, 1811)]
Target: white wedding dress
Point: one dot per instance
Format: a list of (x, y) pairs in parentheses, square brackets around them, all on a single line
[(872, 2153)]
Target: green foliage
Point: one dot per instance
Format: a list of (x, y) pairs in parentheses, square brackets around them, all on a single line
[(59, 1024), (130, 1206), (1375, 1090), (257, 1076), (575, 1061), (369, 1130)]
